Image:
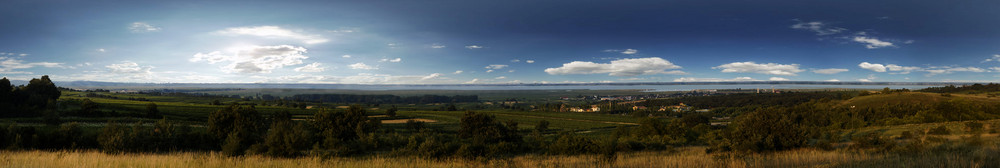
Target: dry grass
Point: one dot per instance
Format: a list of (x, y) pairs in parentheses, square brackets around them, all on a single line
[(687, 157)]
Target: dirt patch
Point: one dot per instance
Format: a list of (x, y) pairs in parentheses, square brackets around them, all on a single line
[(400, 121)]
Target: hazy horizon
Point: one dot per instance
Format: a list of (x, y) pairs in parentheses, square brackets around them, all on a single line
[(463, 42)]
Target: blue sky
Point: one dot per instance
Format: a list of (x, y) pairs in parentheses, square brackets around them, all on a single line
[(432, 42)]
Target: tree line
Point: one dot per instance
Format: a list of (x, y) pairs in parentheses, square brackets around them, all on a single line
[(377, 99)]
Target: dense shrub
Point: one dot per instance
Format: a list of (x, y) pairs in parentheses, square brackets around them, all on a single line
[(238, 126)]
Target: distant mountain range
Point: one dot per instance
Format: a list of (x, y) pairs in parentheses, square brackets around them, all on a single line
[(94, 84)]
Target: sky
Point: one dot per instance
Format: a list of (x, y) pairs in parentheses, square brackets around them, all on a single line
[(488, 42)]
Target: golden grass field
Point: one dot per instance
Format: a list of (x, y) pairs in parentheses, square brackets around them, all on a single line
[(684, 157)]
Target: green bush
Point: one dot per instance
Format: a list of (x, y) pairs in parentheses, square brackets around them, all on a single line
[(940, 130)]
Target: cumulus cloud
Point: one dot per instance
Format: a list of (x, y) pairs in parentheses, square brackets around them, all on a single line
[(768, 68), (488, 71), (101, 50), (714, 79), (778, 79), (473, 81), (872, 67), (474, 47), (254, 59), (820, 28), (142, 27), (391, 60), (458, 72), (496, 66), (872, 42), (346, 56), (314, 67), (829, 71), (515, 60), (620, 67), (501, 77), (128, 67), (274, 32), (902, 69), (361, 66), (833, 80), (529, 61)]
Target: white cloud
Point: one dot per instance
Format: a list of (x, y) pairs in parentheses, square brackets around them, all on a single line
[(437, 46), (818, 27), (496, 66), (274, 32), (432, 76), (830, 71), (22, 55), (255, 59), (630, 51), (621, 67), (872, 67), (346, 56), (778, 79), (872, 42), (361, 66), (9, 65), (142, 27), (474, 47), (714, 79), (869, 79), (488, 71), (902, 69), (314, 67), (101, 50), (996, 57), (501, 77), (473, 81), (833, 80), (948, 70), (458, 72), (864, 80), (768, 68), (529, 61), (509, 71), (515, 60), (390, 60), (128, 67)]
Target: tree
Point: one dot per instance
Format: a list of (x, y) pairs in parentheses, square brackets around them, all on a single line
[(239, 127), (88, 108), (391, 112), (482, 128), (542, 126), (285, 138), (152, 111)]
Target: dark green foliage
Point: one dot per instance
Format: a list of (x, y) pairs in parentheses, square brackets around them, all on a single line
[(770, 129), (570, 144), (27, 101), (482, 128), (542, 126), (391, 112), (286, 138), (339, 132), (238, 126), (114, 138), (414, 125), (152, 111)]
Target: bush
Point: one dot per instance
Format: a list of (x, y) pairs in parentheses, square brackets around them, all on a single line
[(940, 130), (114, 138), (285, 138), (974, 127), (414, 125), (569, 143), (872, 140), (238, 126), (769, 129)]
